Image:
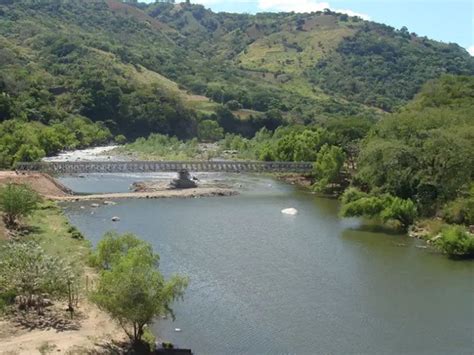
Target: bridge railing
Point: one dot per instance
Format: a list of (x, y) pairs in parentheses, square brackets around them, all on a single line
[(163, 166)]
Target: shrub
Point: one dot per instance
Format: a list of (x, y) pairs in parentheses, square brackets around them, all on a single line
[(210, 131), (233, 105), (459, 211), (17, 201), (384, 206), (7, 298), (456, 242), (27, 270), (75, 233), (120, 139)]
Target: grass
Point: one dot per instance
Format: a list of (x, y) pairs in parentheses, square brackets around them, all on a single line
[(206, 107), (50, 227), (431, 226), (292, 52)]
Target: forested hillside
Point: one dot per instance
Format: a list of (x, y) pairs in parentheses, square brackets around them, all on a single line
[(78, 73)]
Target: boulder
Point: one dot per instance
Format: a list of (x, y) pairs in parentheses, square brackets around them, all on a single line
[(290, 211), (115, 219), (95, 205)]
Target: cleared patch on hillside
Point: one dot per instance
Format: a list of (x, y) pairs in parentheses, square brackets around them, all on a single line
[(292, 52), (127, 10), (245, 114)]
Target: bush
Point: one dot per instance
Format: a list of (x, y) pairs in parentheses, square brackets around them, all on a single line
[(456, 242), (7, 298), (233, 105), (17, 201), (384, 206), (210, 131), (75, 233), (120, 139), (149, 339), (27, 270), (459, 211)]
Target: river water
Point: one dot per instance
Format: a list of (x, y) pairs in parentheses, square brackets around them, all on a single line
[(267, 283)]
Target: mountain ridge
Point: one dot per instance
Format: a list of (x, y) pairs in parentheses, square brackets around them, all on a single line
[(136, 69)]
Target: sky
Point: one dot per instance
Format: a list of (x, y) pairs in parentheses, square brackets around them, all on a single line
[(444, 20)]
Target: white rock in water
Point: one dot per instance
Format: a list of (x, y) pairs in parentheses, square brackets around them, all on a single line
[(290, 211), (95, 205), (115, 219), (109, 203), (177, 329)]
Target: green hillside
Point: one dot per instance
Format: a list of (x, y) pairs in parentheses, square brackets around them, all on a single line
[(81, 72)]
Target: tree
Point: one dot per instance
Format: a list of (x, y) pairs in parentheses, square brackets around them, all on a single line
[(386, 207), (233, 105), (114, 246), (17, 201), (134, 292), (210, 131), (327, 168)]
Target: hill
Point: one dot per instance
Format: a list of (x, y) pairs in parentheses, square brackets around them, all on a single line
[(80, 72)]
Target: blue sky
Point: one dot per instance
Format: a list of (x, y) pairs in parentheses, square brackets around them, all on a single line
[(445, 20)]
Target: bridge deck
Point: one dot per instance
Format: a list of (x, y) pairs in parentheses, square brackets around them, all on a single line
[(165, 166)]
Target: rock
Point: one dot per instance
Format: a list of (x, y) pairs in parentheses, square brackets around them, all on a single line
[(434, 239), (290, 211), (47, 302), (115, 219), (95, 205), (109, 203), (177, 329)]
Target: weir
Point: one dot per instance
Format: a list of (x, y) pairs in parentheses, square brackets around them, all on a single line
[(164, 166)]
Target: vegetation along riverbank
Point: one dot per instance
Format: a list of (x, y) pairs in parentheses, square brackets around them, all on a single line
[(57, 294), (385, 116), (412, 169)]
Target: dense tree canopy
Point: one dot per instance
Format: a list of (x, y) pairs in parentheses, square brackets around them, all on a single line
[(131, 69), (424, 152)]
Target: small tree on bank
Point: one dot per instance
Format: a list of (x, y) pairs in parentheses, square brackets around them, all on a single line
[(132, 290), (356, 203), (17, 201), (328, 166)]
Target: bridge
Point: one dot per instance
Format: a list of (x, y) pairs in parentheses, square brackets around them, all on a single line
[(104, 167)]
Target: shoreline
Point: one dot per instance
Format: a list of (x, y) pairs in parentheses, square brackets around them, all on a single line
[(183, 193), (51, 229)]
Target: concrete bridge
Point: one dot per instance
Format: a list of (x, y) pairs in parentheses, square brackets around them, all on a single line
[(165, 166)]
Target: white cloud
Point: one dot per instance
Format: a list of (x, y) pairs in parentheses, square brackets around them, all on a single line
[(353, 13), (303, 6), (292, 5), (288, 6), (471, 50)]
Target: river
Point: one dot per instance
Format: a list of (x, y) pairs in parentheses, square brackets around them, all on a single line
[(267, 283)]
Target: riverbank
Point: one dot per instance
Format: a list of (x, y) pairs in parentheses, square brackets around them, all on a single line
[(92, 330), (51, 189), (183, 193)]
